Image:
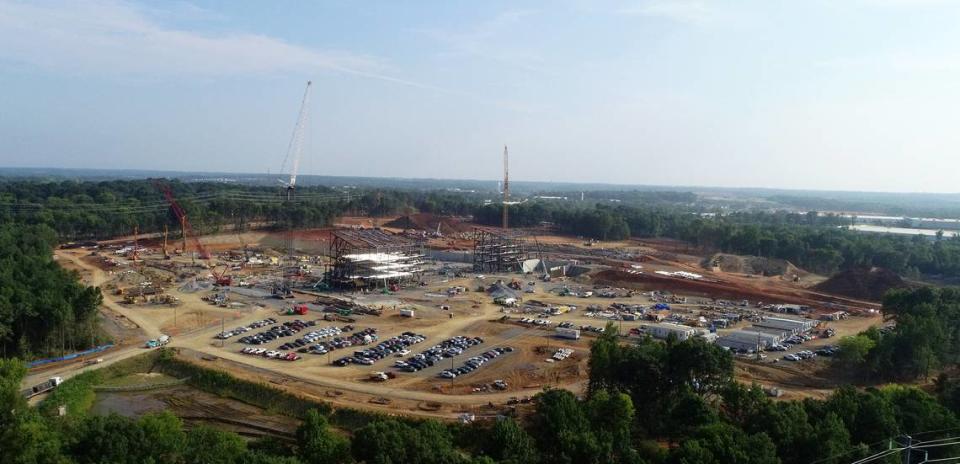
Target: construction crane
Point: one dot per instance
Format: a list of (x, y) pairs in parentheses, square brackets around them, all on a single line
[(295, 148), (294, 152), (506, 187), (506, 190), (185, 228)]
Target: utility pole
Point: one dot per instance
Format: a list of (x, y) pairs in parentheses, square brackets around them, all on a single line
[(165, 254), (136, 244), (506, 187), (908, 449)]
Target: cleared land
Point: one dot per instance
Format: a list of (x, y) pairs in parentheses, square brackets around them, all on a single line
[(153, 296)]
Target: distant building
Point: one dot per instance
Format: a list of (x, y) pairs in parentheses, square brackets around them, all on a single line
[(663, 331), (794, 326)]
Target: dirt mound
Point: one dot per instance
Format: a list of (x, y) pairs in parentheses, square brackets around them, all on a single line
[(428, 222), (752, 265), (862, 283)]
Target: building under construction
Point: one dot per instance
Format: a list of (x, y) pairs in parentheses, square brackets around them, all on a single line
[(372, 258), (497, 251)]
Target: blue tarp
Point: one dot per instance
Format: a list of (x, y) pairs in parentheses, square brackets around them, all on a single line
[(68, 357)]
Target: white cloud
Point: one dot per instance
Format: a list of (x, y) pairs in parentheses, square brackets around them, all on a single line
[(683, 11), (112, 38), (491, 40)]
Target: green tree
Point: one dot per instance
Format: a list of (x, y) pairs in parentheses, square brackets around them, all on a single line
[(854, 349), (510, 444), (723, 443), (164, 439), (318, 443), (208, 445)]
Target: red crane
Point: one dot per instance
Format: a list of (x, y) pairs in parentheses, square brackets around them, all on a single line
[(185, 227)]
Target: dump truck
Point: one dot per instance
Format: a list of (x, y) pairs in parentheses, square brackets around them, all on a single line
[(162, 340), (299, 309), (44, 387)]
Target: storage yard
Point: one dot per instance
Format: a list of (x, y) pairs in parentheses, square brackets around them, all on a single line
[(376, 319)]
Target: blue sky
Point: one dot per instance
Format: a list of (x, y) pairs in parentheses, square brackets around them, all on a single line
[(820, 94)]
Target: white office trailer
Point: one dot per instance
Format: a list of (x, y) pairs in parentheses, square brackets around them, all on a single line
[(663, 331), (794, 326), (564, 332), (746, 340)]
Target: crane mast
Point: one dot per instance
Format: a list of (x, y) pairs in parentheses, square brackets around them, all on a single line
[(506, 187)]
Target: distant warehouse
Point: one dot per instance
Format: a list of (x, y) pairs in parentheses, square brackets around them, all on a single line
[(794, 326), (748, 340)]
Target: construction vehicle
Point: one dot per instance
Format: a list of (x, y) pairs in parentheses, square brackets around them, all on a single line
[(44, 387), (382, 376), (281, 292), (186, 229), (221, 278), (297, 309), (158, 342)]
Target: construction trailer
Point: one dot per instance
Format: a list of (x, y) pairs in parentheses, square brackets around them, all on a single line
[(787, 324), (664, 331), (497, 251), (748, 340), (370, 258)]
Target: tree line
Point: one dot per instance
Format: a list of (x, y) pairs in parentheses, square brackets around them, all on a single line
[(44, 310), (922, 338), (647, 403), (817, 242)]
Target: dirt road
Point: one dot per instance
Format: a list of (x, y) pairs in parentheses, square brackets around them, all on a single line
[(97, 277)]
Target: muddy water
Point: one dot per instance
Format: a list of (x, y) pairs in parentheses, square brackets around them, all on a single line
[(196, 407)]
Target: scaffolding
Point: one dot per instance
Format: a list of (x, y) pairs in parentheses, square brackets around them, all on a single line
[(497, 252), (365, 258)]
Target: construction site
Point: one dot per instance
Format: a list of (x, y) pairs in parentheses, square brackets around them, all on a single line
[(439, 316)]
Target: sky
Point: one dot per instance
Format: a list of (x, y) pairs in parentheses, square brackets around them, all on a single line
[(814, 94)]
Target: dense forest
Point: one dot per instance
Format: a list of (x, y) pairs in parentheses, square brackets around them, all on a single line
[(652, 403), (43, 308), (924, 339)]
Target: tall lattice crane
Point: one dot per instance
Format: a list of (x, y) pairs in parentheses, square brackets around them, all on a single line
[(295, 148), (185, 228), (506, 187)]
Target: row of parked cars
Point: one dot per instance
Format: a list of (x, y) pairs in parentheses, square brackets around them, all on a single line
[(244, 329), (474, 363), (394, 346), (287, 329), (312, 336), (446, 349), (270, 354), (529, 320), (800, 355), (360, 337)]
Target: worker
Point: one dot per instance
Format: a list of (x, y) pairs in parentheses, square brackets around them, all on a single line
[(451, 315)]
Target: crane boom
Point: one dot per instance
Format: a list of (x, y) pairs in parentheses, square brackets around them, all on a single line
[(182, 217), (295, 148)]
